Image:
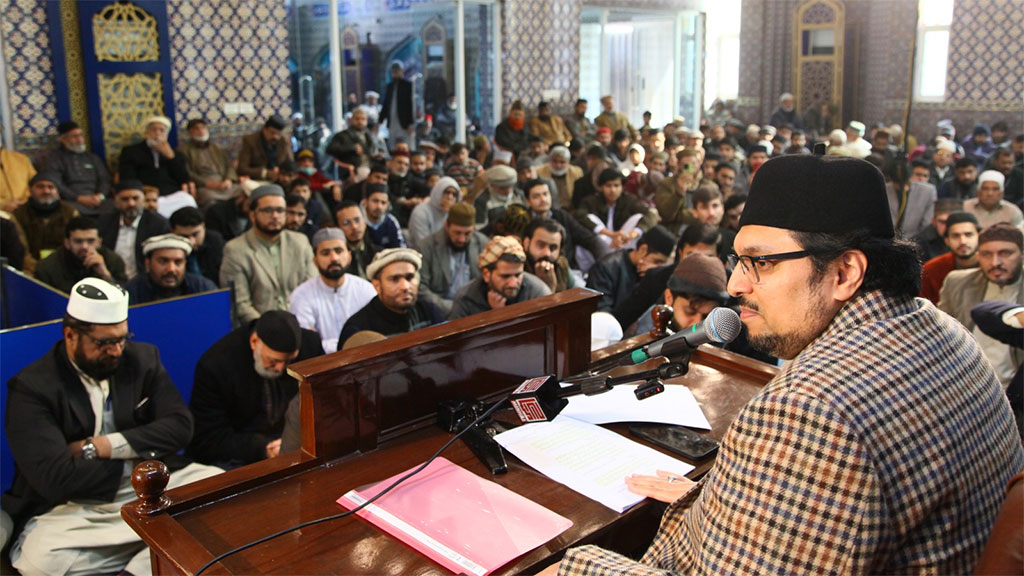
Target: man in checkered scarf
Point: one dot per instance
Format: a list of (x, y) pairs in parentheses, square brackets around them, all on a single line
[(883, 446)]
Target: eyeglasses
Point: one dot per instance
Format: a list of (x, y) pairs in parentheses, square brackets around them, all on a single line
[(350, 221), (754, 266), (109, 342), (271, 210)]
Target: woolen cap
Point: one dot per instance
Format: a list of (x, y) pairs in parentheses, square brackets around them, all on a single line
[(98, 302), (390, 256), (502, 176), (164, 241), (50, 177), (830, 194), (462, 214), (325, 234), (266, 190), (498, 247), (1002, 232), (700, 275), (279, 331), (129, 184), (65, 127)]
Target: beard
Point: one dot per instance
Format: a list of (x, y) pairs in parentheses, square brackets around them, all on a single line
[(332, 272), (788, 345), (268, 230), (77, 148), (100, 369), (131, 214), (456, 248), (262, 371), (559, 171)]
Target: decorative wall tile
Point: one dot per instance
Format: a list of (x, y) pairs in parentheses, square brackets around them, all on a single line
[(541, 51), (26, 51)]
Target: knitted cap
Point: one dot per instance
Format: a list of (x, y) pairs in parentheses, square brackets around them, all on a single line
[(164, 241), (501, 176), (700, 275), (325, 234), (498, 247), (831, 194), (390, 256), (462, 214), (279, 331), (1002, 232)]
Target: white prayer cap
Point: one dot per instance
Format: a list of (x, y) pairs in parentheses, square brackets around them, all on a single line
[(992, 176), (164, 241), (857, 127), (98, 302), (503, 156), (947, 145), (372, 94), (159, 120), (605, 330)]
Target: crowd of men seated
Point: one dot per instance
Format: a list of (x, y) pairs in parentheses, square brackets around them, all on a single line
[(328, 248)]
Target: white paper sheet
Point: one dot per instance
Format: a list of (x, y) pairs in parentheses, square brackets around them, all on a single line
[(676, 405), (169, 204), (587, 458)]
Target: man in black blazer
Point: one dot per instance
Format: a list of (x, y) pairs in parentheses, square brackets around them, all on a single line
[(154, 162), (397, 108), (242, 389), (77, 421), (131, 225)]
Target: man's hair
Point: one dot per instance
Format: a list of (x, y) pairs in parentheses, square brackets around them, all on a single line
[(712, 155), (964, 162), (457, 148), (722, 166), (79, 223), (705, 194), (734, 201), (76, 324), (699, 234), (533, 182), (1001, 126), (894, 265), (552, 226), (1000, 152), (298, 182), (581, 101), (379, 167), (417, 153), (919, 163), (187, 216), (345, 204), (294, 200)]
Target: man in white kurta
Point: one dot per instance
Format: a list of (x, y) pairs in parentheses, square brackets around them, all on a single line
[(325, 302)]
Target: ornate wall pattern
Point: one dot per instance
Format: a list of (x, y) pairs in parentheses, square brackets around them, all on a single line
[(541, 51), (985, 48), (229, 51), (26, 51)]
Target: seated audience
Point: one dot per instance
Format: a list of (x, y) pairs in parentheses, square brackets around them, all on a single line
[(619, 219), (461, 167), (44, 217), (153, 162), (696, 287), (82, 177), (961, 239), (997, 278), (264, 152), (382, 227), (502, 282), (207, 245), (549, 127), (317, 212), (931, 241), (124, 231), (328, 190), (500, 192), (512, 133), (242, 388), (449, 257), (208, 165), (352, 222), (82, 256), (230, 218), (542, 241), (18, 170), (989, 207), (12, 244), (397, 308), (538, 199), (562, 173), (324, 303), (353, 147), (615, 275), (265, 264), (166, 275), (964, 184), (429, 217), (296, 217), (78, 421), (1003, 321)]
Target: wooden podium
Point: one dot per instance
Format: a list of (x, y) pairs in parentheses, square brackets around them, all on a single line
[(368, 414)]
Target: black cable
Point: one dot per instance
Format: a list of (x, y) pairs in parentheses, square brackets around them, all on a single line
[(243, 547)]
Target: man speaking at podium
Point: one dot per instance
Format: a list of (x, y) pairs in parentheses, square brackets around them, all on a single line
[(883, 446)]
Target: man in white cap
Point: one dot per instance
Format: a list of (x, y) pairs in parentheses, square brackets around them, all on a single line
[(267, 262), (154, 162), (397, 308), (396, 109), (373, 107), (500, 193), (78, 421), (989, 207), (856, 145), (325, 302), (942, 162), (166, 257)]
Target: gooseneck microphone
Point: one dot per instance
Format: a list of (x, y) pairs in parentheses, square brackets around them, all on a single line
[(722, 326)]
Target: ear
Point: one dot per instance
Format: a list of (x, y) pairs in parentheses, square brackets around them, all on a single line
[(254, 341), (485, 275), (668, 297), (376, 284), (851, 269), (70, 335)]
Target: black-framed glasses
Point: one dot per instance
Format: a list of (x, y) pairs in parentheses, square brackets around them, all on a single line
[(754, 266), (271, 210), (109, 342)]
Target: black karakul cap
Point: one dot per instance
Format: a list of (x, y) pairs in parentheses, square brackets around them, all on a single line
[(280, 331), (830, 194)]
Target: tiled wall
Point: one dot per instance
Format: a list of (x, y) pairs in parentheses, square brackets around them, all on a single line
[(26, 51), (541, 51), (984, 84)]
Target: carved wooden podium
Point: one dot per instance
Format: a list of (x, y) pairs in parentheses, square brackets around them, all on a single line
[(368, 414)]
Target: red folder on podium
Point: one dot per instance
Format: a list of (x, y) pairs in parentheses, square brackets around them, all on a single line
[(458, 519)]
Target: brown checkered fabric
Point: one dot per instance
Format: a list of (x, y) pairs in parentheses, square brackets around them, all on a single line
[(497, 247)]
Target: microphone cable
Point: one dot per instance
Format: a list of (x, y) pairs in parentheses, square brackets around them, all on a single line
[(393, 485)]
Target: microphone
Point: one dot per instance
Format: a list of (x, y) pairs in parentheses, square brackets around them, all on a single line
[(721, 326)]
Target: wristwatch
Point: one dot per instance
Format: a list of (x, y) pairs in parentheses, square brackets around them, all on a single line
[(89, 450)]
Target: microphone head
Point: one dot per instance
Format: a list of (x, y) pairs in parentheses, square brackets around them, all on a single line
[(723, 325)]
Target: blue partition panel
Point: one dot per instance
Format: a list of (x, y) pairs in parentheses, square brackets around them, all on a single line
[(182, 329), (28, 301)]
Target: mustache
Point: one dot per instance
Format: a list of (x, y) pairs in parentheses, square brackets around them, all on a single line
[(748, 304)]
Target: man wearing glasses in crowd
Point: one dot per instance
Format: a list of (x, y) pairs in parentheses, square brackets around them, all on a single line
[(267, 262), (883, 446)]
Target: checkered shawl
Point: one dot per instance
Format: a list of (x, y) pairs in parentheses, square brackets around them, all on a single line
[(884, 447)]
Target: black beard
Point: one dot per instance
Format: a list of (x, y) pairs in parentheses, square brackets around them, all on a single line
[(455, 248), (97, 369), (42, 208), (332, 272), (269, 231)]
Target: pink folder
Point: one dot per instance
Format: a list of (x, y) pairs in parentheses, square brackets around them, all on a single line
[(458, 519)]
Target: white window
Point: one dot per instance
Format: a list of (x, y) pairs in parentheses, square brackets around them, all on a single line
[(934, 19)]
